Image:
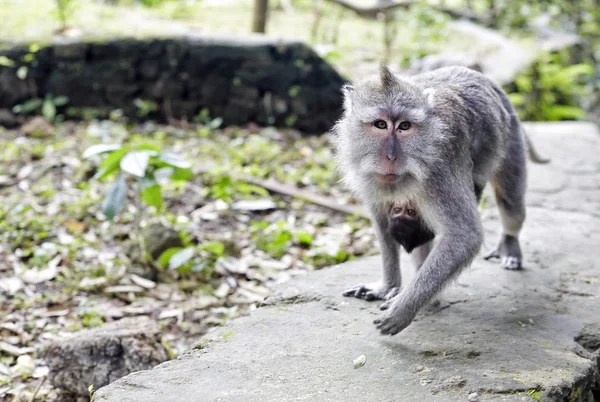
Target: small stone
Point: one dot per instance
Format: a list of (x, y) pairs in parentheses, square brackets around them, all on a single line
[(38, 126), (418, 368), (104, 354), (7, 119), (473, 397)]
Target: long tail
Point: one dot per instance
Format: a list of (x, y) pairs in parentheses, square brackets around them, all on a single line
[(532, 153)]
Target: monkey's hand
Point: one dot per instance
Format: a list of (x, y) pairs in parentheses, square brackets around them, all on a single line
[(374, 291), (398, 317)]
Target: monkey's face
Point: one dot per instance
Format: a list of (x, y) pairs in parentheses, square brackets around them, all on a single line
[(383, 135), (406, 211)]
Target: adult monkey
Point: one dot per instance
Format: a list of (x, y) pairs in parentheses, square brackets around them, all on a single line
[(431, 141)]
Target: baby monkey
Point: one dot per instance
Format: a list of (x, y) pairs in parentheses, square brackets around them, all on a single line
[(407, 227)]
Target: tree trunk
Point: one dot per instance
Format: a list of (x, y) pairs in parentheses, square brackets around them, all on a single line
[(259, 20)]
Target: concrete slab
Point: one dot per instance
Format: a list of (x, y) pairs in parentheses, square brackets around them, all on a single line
[(505, 335)]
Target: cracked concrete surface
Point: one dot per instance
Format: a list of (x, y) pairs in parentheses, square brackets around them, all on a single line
[(505, 335)]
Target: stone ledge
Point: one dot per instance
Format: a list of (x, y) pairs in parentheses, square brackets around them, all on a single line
[(255, 79), (505, 335)]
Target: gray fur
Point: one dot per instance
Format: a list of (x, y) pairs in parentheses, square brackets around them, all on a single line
[(466, 134)]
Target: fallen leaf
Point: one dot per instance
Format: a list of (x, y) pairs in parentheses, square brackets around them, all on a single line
[(254, 205), (232, 265), (124, 289), (11, 285), (15, 350), (75, 226), (359, 361), (40, 371), (222, 291), (24, 367), (92, 282), (143, 282), (177, 313), (34, 276), (24, 172)]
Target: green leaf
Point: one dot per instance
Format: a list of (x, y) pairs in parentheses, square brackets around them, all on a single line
[(149, 147), (61, 101), (6, 62), (516, 99), (182, 174), (304, 238), (135, 163), (152, 196), (115, 198), (167, 254), (99, 149), (174, 160), (111, 163), (48, 110), (181, 257), (29, 106), (215, 247), (22, 72), (215, 123), (563, 112)]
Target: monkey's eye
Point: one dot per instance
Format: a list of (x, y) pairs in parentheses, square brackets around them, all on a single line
[(405, 125), (380, 124), (411, 212)]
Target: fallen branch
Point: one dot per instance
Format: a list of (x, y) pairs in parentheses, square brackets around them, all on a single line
[(293, 191), (275, 186), (374, 11)]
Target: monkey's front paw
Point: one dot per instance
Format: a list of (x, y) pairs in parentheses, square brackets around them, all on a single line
[(370, 292), (393, 322), (493, 255)]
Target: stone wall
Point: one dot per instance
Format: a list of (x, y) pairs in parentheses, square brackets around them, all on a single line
[(255, 79)]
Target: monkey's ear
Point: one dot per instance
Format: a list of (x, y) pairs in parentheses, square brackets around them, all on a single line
[(347, 91), (387, 77), (430, 96)]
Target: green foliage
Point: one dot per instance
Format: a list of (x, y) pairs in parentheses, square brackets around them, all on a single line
[(203, 117), (46, 106), (305, 239), (91, 318), (145, 163), (6, 62), (151, 3), (216, 248), (195, 260), (144, 107), (550, 90), (65, 10), (534, 393), (115, 197), (273, 239), (224, 187), (426, 30)]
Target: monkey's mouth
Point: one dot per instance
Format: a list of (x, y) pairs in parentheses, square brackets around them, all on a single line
[(388, 177)]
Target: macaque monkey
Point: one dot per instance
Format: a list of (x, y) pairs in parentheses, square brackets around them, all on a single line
[(428, 144)]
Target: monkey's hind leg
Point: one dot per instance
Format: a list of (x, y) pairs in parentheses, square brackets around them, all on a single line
[(509, 187)]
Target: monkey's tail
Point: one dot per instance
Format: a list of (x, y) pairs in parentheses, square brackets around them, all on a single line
[(531, 151)]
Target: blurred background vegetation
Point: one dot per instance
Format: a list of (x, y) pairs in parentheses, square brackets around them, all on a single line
[(192, 223), (561, 84)]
